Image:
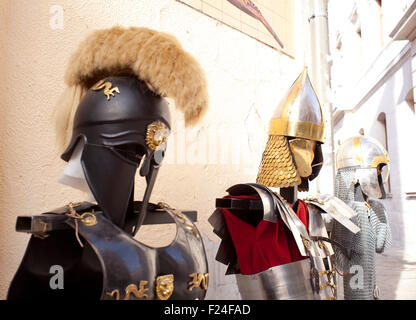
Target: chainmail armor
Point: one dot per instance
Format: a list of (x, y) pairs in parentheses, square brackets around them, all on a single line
[(357, 286), (381, 226)]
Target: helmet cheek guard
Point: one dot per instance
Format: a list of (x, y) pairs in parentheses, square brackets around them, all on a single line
[(303, 151), (102, 165), (156, 141), (368, 180), (317, 163), (316, 167)]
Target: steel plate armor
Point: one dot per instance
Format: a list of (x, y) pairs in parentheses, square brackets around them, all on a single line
[(299, 265), (292, 281), (286, 251)]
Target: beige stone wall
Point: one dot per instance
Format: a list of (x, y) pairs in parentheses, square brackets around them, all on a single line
[(246, 79)]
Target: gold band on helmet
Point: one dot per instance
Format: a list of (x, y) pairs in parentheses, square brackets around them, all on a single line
[(298, 129), (361, 151), (379, 160)]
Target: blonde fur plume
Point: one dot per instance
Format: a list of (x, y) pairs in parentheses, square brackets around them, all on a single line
[(154, 57), (64, 114)]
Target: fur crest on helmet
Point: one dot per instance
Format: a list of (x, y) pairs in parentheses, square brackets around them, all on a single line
[(154, 57)]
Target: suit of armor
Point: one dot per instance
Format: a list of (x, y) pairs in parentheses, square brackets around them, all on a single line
[(118, 123), (362, 168), (289, 253)]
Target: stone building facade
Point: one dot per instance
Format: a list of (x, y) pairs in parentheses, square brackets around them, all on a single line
[(373, 49)]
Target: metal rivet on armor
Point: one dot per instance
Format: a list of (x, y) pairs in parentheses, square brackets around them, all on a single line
[(89, 219)]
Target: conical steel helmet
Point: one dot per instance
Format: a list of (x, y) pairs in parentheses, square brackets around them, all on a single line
[(371, 161), (295, 134), (361, 151), (299, 114)]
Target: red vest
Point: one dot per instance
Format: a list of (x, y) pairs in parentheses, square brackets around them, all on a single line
[(266, 245)]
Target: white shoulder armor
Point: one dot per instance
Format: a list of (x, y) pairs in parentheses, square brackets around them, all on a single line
[(336, 208)]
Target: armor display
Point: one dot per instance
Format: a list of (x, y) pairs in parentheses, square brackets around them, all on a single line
[(113, 120), (362, 169), (278, 246)]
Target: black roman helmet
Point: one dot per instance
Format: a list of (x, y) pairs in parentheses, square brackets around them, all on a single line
[(115, 105)]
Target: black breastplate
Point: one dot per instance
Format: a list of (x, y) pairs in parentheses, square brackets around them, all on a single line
[(112, 264)]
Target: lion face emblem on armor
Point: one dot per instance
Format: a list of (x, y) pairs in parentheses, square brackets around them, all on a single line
[(164, 286)]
